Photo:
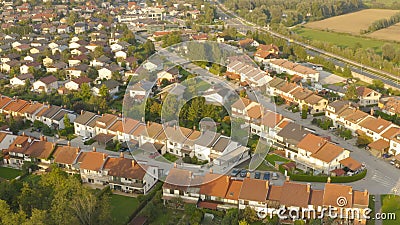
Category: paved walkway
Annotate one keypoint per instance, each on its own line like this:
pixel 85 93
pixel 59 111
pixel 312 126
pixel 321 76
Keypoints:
pixel 378 208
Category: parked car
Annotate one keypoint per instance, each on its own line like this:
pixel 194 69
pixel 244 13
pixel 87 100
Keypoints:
pixel 235 172
pixel 243 173
pixel 393 161
pixel 85 139
pixel 123 149
pixel 257 175
pixel 267 175
pixel 275 176
pixel 385 156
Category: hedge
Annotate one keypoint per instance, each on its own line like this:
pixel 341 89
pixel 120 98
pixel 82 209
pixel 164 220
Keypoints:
pixel 145 199
pixel 323 179
pixel 318 114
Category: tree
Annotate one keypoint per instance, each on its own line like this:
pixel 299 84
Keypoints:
pixel 85 93
pixel 304 112
pixel 249 215
pixel 98 51
pixel 347 71
pixel 351 93
pixel 103 92
pixel 363 140
pixel 243 222
pixel 388 51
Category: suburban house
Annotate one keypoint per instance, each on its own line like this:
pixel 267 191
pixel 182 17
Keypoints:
pixel 111 85
pixel 84 124
pixel 249 73
pixel 65 157
pixel 128 176
pixel 45 84
pixel 285 66
pixel 20 80
pixel 367 96
pixel 90 166
pixel 390 105
pixel 317 154
pixel 75 84
pixel 265 53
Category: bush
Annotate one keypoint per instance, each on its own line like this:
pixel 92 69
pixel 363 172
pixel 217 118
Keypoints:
pixel 89 142
pixel 319 114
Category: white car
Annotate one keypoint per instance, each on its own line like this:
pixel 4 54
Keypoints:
pixel 85 139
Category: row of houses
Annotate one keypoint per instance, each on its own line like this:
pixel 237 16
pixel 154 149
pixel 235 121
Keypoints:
pixel 247 73
pixel 309 151
pixel 285 66
pixel 217 191
pixel 151 136
pixel 98 168
pixel 384 134
pixel 51 115
pixel 293 93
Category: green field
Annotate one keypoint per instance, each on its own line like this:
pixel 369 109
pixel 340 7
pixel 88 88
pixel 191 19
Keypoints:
pixel 122 208
pixel 9 173
pixel 341 40
pixel 391 204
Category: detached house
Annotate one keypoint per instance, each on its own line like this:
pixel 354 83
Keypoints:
pixel 20 80
pixel 128 176
pixel 65 157
pixel 45 84
pixel 90 166
pixel 367 96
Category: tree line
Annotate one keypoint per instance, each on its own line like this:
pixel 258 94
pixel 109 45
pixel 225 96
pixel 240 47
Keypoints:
pixel 292 12
pixel 53 198
pixel 382 23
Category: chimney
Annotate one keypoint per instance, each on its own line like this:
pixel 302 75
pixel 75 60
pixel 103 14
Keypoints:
pixel 81 112
pixel 94 149
pixel 227 179
pixel 104 156
pixel 77 150
pixel 301 85
pixel 308 187
pixel 148 123
pixel 194 127
pixel 41 138
pixel 365 192
pixel 174 127
pixel 351 190
pixel 211 170
pixel 23 133
pixel 372 111
pixel 328 180
pixel 68 143
pixel 287 178
pixel 133 163
pixel 142 119
pixel 121 155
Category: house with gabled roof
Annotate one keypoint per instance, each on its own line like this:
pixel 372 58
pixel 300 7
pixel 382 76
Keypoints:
pixel 90 166
pixel 84 124
pixel 21 80
pixel 39 152
pixel 65 157
pixel 128 176
pixel 45 84
pixel 104 123
pixel 367 96
pixel 16 151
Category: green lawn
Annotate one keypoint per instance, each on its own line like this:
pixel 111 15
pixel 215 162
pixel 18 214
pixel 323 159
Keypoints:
pixel 122 208
pixel 391 204
pixel 9 173
pixel 170 157
pixel 168 216
pixel 272 158
pixel 342 40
